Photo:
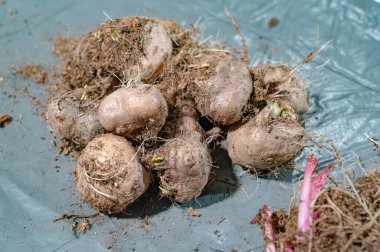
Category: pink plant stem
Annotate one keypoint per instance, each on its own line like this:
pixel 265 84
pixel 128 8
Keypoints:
pixel 316 215
pixel 318 181
pixel 288 246
pixel 305 201
pixel 255 219
pixel 268 230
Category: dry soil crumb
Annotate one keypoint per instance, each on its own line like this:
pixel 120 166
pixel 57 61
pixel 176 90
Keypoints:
pixel 36 102
pixel 34 71
pixel 193 212
pixel 84 226
pixel 272 22
pixel 63 46
pixel 4 120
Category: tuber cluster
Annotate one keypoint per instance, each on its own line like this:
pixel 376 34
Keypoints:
pixel 132 97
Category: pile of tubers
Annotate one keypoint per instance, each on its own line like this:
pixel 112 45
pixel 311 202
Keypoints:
pixel 135 92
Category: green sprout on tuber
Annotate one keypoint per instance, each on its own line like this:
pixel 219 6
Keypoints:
pixel 166 192
pixel 280 110
pixel 165 189
pixel 157 159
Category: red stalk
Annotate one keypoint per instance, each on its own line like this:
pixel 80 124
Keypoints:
pixel 310 189
pixel 305 201
pixel 319 180
pixel 268 230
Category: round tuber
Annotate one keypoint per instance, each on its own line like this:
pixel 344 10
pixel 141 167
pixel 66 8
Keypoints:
pixel 137 113
pixel 70 120
pixel 183 163
pixel 109 174
pixel 267 140
pixel 223 95
pixel 278 82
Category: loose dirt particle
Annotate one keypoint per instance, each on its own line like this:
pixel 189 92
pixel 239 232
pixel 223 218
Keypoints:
pixel 193 212
pixel 272 22
pixel 75 216
pixel 63 47
pixel 36 102
pixel 4 120
pixel 34 71
pixel 84 226
pixel 53 142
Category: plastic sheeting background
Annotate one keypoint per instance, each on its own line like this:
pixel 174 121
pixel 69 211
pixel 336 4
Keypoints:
pixel 35 189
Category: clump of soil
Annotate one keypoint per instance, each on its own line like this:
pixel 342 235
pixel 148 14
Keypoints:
pixel 63 47
pixel 344 220
pixel 34 71
pixel 113 51
pixel 193 212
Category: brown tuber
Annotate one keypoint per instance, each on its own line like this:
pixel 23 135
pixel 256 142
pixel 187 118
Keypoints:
pixel 157 49
pixel 137 113
pixel 223 96
pixel 70 119
pixel 267 140
pixel 278 82
pixel 109 174
pixel 183 163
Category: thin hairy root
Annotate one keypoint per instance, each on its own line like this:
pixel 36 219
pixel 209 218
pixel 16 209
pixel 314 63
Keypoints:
pixel 361 230
pixel 372 140
pixel 335 153
pixel 244 53
pixel 75 216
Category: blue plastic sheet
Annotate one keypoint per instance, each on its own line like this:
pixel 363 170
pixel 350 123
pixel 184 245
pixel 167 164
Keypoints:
pixel 35 188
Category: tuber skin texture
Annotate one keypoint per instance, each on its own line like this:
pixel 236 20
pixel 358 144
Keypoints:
pixel 277 81
pixel 188 127
pixel 67 120
pixel 157 49
pixel 265 141
pixel 116 173
pixel 296 94
pixel 137 113
pixel 183 163
pixel 186 169
pixel 223 96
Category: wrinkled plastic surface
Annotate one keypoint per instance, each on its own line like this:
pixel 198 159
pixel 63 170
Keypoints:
pixel 35 189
